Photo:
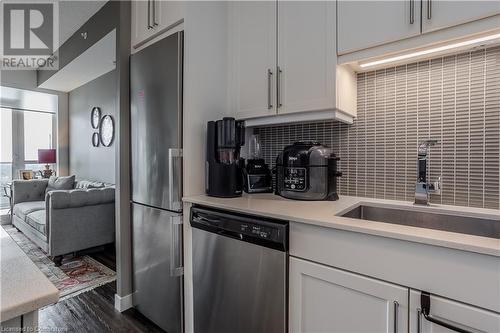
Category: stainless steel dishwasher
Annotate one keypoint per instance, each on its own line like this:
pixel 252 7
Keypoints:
pixel 240 272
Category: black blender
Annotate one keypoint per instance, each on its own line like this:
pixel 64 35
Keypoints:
pixel 257 176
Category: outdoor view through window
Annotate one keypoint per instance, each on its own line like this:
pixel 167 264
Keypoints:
pixel 27 123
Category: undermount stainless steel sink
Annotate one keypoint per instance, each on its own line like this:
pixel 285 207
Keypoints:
pixel 477 226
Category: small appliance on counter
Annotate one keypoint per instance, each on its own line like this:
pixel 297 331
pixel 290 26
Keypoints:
pixel 307 171
pixel 224 167
pixel 257 176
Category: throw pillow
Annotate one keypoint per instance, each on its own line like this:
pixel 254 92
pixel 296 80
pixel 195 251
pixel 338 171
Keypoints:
pixel 60 183
pixel 85 184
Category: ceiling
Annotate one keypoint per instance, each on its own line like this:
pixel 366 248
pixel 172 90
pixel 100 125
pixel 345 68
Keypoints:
pixel 73 14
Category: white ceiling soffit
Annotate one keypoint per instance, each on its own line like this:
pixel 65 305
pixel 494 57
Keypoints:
pixel 97 60
pixel 73 14
pixel 27 100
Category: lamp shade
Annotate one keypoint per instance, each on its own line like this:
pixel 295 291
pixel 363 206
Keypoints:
pixel 46 156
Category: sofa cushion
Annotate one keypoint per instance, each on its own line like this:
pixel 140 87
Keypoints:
pixel 84 184
pixel 24 208
pixel 37 220
pixel 81 197
pixel 28 190
pixel 61 183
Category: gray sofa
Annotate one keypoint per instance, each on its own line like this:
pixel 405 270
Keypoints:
pixel 64 221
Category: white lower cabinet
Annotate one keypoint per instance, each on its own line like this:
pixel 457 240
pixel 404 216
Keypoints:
pixel 456 314
pixel 324 299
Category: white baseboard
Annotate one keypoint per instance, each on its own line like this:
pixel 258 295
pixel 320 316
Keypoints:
pixel 123 303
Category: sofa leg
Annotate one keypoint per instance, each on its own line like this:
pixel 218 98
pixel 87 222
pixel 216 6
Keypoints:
pixel 57 260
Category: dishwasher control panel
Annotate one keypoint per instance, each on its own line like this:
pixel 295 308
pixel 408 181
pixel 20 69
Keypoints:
pixel 259 231
pixel 243 227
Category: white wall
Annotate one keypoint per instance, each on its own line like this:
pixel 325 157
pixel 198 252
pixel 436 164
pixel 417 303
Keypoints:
pixel 205 98
pixel 205 84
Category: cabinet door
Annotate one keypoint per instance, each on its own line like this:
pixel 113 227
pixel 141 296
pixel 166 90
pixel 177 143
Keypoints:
pixel 252 31
pixel 142 27
pixel 325 299
pixel 169 13
pixel 363 24
pixel 458 314
pixel 306 56
pixel 439 14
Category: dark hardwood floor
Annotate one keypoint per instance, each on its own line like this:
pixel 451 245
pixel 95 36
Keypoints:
pixel 94 311
pixel 106 256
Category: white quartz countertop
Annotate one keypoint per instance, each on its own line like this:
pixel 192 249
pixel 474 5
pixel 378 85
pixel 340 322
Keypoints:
pixel 325 214
pixel 23 286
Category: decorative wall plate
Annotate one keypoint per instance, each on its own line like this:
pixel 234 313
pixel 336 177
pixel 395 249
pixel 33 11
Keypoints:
pixel 95 139
pixel 95 117
pixel 107 130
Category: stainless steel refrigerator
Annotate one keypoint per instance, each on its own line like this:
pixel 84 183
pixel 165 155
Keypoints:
pixel 156 156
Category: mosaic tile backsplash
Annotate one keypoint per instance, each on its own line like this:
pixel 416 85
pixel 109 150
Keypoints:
pixel 454 99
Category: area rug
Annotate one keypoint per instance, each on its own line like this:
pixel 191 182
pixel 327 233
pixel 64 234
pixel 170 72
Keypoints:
pixel 76 274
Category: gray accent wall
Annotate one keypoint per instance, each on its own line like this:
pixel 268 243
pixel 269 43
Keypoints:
pixel 454 99
pixel 85 160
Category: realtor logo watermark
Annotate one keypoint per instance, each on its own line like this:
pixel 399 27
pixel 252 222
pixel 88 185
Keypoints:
pixel 30 34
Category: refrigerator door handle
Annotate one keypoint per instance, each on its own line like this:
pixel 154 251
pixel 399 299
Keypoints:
pixel 176 247
pixel 175 179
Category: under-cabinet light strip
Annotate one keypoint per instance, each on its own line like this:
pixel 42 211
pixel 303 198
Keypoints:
pixel 430 51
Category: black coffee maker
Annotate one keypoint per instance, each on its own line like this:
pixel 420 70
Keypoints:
pixel 224 167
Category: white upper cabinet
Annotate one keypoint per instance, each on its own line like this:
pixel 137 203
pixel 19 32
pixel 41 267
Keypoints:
pixel 283 61
pixel 252 36
pixel 306 56
pixel 439 14
pixel 363 24
pixel 170 13
pixel 142 25
pixel 325 299
pixel 453 313
pixel 151 18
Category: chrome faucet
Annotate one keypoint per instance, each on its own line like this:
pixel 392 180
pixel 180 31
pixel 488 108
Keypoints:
pixel 422 188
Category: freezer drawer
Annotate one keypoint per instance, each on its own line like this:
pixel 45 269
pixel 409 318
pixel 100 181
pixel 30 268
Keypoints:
pixel 157 266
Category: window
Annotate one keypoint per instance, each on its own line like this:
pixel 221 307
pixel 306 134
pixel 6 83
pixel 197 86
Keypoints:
pixel 37 133
pixel 5 153
pixel 26 124
pixel 6 135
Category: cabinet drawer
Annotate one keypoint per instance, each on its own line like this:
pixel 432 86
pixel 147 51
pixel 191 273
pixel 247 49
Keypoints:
pixel 465 276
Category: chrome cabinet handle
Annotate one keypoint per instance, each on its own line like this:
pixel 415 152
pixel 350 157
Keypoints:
pixel 419 320
pixel 176 246
pixel 412 11
pixel 429 9
pixel 154 14
pixel 174 180
pixel 279 86
pixel 425 304
pixel 269 89
pixel 396 309
pixel 149 15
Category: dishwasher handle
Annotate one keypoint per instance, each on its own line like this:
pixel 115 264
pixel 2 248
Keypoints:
pixel 205 219
pixel 261 231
